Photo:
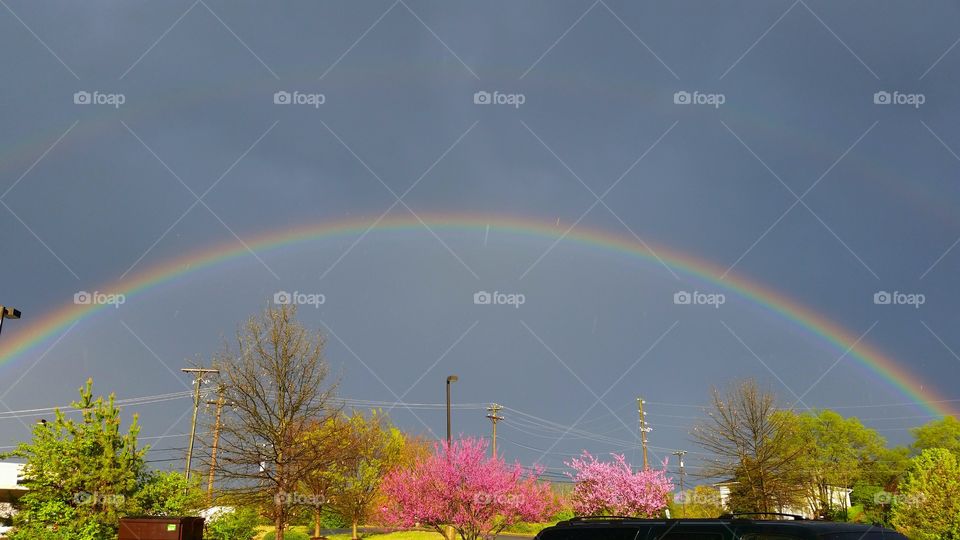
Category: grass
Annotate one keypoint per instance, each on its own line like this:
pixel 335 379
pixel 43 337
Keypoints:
pixel 398 535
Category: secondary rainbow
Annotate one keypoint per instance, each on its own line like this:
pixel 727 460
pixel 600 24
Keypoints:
pixel 51 325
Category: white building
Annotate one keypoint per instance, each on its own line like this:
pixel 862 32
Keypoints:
pixel 839 498
pixel 10 491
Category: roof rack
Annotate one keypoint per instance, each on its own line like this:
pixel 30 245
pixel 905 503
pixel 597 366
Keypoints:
pixel 736 515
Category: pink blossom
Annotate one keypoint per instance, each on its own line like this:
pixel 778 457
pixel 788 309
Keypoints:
pixel 462 487
pixel 612 488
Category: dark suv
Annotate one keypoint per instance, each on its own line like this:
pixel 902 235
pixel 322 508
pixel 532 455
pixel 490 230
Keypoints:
pixel 726 527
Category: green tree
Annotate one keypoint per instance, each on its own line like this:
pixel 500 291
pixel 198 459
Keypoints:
pixel 81 474
pixel 169 494
pixel 330 448
pixel 942 433
pixel 836 453
pixel 702 501
pixel 378 447
pixel 928 504
pixel 238 524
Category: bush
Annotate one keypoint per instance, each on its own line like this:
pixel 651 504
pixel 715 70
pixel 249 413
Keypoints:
pixel 288 534
pixel 241 524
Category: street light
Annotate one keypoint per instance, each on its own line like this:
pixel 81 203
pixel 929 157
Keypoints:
pixel 450 379
pixel 8 313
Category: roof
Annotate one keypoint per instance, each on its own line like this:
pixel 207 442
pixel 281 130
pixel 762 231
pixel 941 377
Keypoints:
pixel 803 524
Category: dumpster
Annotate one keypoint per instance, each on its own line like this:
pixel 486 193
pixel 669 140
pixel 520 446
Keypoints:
pixel 161 528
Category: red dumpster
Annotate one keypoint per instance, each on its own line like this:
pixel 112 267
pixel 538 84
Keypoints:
pixel 161 528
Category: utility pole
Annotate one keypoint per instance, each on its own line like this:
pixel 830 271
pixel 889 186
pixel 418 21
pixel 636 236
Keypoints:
pixel 450 379
pixel 643 431
pixel 198 374
pixel 683 499
pixel 493 409
pixel 216 440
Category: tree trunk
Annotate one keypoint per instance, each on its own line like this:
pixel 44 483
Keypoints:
pixel 354 530
pixel 316 522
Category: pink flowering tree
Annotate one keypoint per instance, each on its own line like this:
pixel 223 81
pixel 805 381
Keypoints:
pixel 461 487
pixel 612 488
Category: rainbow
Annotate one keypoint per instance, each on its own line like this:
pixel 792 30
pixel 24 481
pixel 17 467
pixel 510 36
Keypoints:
pixel 886 368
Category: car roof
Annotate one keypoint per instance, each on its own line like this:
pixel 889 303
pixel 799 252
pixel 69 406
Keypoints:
pixel 783 524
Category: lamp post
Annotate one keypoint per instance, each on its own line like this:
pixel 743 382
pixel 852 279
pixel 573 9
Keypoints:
pixel 450 379
pixel 8 313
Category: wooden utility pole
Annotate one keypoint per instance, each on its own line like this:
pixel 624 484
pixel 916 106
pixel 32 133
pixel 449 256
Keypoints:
pixel 216 440
pixel 683 500
pixel 643 432
pixel 493 409
pixel 198 376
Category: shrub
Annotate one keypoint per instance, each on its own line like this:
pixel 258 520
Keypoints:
pixel 288 534
pixel 241 524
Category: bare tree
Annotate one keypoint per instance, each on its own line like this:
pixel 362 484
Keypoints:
pixel 276 382
pixel 747 443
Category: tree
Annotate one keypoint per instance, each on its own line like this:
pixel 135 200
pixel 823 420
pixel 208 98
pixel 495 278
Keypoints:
pixel 942 433
pixel 928 504
pixel 834 453
pixel 700 502
pixel 81 474
pixel 458 485
pixel 332 448
pixel 275 381
pixel 377 447
pixel 751 445
pixel 169 494
pixel 237 524
pixel 612 488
